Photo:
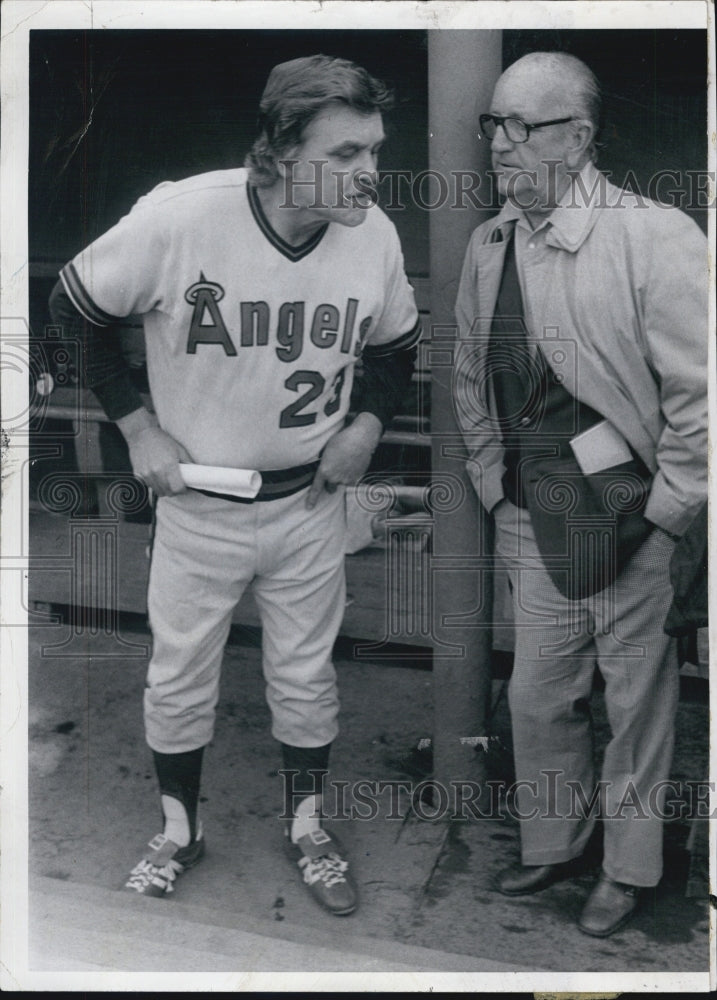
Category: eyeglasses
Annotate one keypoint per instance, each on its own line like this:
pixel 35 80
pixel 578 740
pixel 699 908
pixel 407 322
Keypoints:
pixel 515 128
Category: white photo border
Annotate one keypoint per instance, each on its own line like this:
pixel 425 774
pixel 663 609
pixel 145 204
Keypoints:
pixel 19 17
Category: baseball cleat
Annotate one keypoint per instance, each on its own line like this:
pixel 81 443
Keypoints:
pixel 154 875
pixel 324 871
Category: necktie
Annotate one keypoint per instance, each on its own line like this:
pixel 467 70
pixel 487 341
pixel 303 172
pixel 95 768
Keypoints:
pixel 517 376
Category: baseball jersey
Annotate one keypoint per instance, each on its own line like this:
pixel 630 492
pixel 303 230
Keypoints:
pixel 251 342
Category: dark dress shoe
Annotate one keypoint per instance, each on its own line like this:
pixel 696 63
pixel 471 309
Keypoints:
pixel 609 907
pixel 524 880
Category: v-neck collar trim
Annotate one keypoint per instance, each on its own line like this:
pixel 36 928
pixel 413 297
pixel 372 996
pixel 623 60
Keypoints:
pixel 293 253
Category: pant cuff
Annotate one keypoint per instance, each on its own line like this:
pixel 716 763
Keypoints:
pixel 639 879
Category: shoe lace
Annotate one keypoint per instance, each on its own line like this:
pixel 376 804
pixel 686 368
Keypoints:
pixel 145 873
pixel 328 868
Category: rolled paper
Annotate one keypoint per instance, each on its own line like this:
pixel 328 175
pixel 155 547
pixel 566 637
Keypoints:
pixel 236 482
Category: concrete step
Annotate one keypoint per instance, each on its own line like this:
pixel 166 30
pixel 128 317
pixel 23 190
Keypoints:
pixel 85 928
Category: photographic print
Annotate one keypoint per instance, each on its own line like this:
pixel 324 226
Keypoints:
pixel 357 368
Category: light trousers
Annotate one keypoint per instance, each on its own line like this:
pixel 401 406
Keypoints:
pixel 206 552
pixel 558 643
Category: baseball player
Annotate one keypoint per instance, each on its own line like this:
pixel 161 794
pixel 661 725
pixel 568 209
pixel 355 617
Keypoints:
pixel 260 288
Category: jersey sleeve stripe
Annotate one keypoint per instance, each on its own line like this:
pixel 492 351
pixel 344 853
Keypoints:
pixel 401 343
pixel 81 299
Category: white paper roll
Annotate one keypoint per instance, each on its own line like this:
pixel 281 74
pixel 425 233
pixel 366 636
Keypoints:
pixel 236 482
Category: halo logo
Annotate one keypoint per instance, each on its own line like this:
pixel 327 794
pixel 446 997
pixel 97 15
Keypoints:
pixel 207 325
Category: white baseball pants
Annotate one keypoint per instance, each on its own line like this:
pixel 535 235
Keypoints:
pixel 206 552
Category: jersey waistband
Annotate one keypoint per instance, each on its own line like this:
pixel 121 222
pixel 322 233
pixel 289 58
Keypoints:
pixel 275 484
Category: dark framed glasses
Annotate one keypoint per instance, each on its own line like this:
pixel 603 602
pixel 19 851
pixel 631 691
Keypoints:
pixel 515 128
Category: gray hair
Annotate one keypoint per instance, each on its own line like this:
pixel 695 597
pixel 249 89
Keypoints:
pixel 583 95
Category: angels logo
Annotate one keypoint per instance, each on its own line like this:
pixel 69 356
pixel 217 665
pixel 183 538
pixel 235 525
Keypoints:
pixel 326 327
pixel 207 325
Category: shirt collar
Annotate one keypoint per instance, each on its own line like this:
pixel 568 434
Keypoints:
pixel 572 219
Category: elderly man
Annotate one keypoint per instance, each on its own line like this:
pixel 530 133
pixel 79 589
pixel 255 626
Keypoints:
pixel 582 394
pixel 260 289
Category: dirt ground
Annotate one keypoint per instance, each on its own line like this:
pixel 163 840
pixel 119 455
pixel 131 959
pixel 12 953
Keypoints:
pixel 93 805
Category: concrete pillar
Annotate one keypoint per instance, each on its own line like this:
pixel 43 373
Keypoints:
pixel 462 69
